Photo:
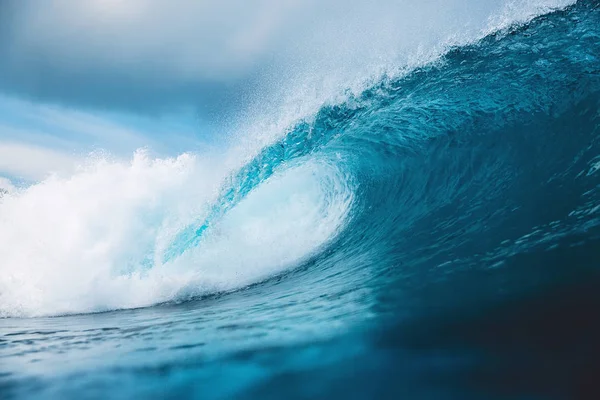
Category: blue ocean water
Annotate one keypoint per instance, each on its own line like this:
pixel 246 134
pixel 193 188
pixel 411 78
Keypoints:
pixel 465 201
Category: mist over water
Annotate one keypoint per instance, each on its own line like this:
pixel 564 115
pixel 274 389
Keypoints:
pixel 407 196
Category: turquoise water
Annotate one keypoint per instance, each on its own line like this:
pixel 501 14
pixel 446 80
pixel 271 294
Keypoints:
pixel 455 255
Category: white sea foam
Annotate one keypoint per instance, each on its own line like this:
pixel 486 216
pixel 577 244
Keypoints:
pixel 93 241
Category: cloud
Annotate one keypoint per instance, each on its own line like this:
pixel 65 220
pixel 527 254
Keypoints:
pixel 38 139
pixel 189 40
pixel 33 163
pixel 66 129
pixel 137 53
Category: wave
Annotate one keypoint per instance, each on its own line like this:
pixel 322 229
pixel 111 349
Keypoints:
pixel 458 164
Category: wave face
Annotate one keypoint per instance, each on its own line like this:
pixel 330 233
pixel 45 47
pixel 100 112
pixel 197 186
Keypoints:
pixel 465 183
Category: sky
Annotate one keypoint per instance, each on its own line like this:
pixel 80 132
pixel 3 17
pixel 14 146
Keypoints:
pixel 78 77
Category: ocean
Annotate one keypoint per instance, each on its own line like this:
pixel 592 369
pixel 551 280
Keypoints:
pixel 434 236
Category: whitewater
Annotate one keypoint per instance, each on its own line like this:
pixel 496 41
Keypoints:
pixel 440 207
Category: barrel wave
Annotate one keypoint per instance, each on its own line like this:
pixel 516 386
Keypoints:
pixel 463 188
